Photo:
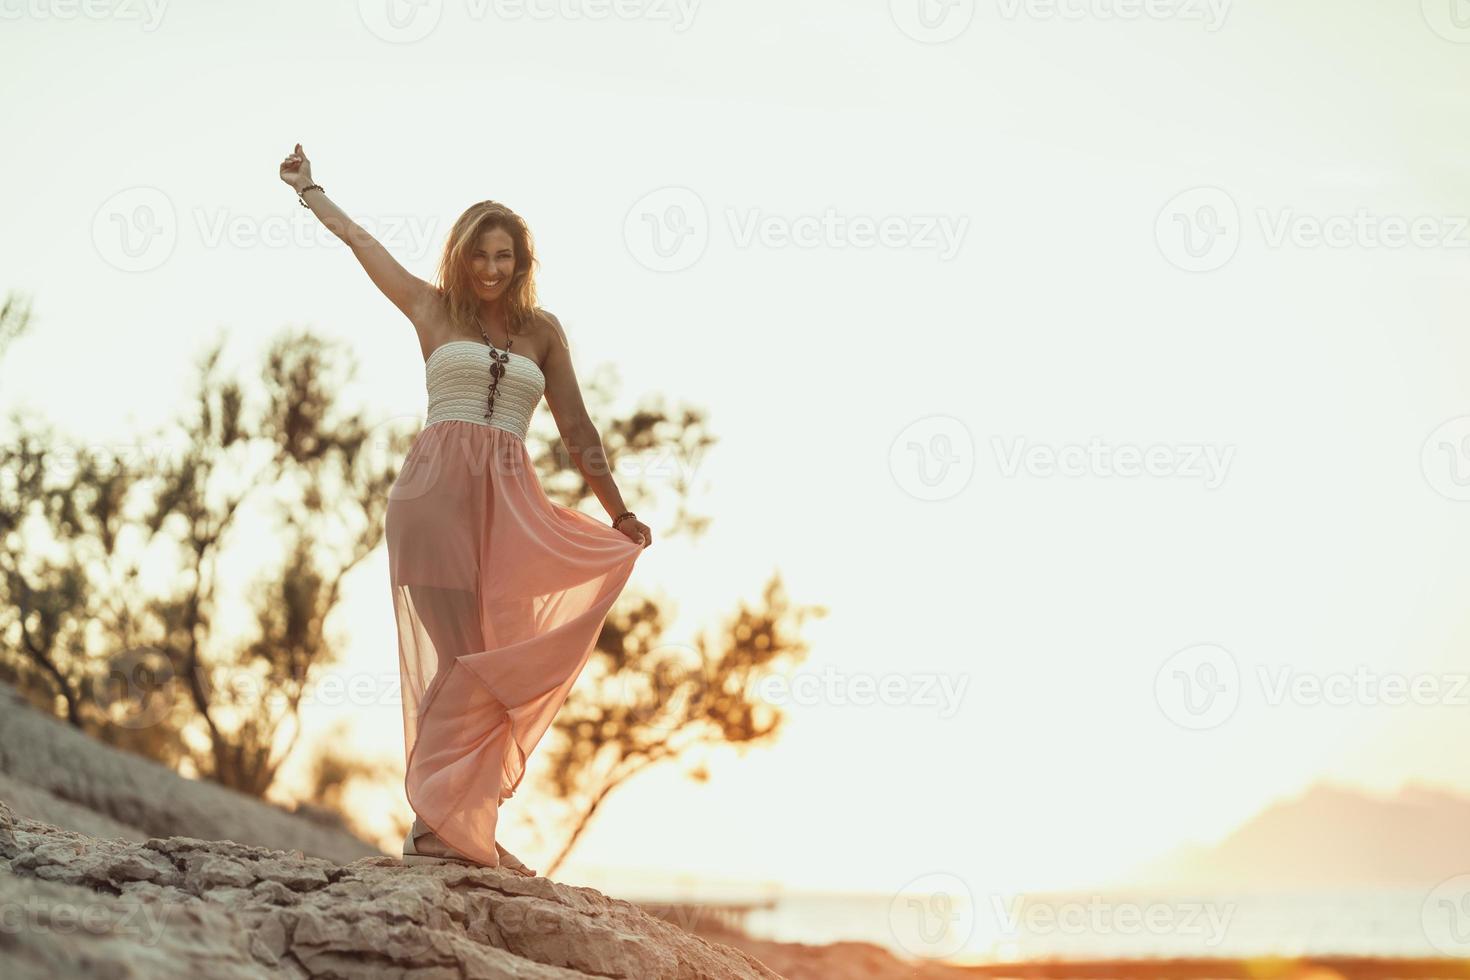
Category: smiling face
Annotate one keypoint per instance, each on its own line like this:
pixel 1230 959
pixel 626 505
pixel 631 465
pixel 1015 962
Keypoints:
pixel 492 263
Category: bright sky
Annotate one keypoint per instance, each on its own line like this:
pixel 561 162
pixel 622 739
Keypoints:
pixel 1047 185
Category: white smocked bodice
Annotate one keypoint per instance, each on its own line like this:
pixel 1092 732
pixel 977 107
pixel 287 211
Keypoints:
pixel 457 376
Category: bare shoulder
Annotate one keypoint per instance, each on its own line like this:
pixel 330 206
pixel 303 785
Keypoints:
pixel 561 378
pixel 563 395
pixel 552 338
pixel 551 326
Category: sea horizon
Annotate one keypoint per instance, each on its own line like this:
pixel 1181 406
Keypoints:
pixel 1101 924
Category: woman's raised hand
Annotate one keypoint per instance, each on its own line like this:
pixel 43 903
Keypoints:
pixel 296 169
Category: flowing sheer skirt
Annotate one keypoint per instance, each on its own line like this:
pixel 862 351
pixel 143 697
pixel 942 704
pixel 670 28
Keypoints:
pixel 499 595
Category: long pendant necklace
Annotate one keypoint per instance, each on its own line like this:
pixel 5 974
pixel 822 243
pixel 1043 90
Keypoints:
pixel 498 361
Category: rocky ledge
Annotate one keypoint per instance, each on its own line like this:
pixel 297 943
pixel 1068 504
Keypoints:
pixel 74 905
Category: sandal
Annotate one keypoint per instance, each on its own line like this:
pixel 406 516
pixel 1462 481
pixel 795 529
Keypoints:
pixel 411 854
pixel 508 861
pixel 511 863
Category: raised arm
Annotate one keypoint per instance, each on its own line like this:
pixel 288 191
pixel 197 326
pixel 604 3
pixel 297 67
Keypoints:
pixel 405 290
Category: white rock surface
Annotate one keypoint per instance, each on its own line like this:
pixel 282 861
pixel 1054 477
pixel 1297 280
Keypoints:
pixel 72 905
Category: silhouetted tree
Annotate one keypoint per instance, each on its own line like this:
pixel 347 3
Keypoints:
pixel 146 668
pixel 86 634
pixel 651 702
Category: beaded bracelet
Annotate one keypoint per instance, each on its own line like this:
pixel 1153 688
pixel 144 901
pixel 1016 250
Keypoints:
pixel 626 513
pixel 309 187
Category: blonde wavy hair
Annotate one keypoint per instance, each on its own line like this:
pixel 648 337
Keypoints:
pixel 457 296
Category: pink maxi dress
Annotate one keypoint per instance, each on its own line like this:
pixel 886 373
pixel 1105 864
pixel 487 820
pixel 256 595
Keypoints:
pixel 498 593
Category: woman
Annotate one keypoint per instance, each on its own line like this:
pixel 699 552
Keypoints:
pixel 498 593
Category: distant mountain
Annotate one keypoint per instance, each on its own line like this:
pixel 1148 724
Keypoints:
pixel 1330 837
